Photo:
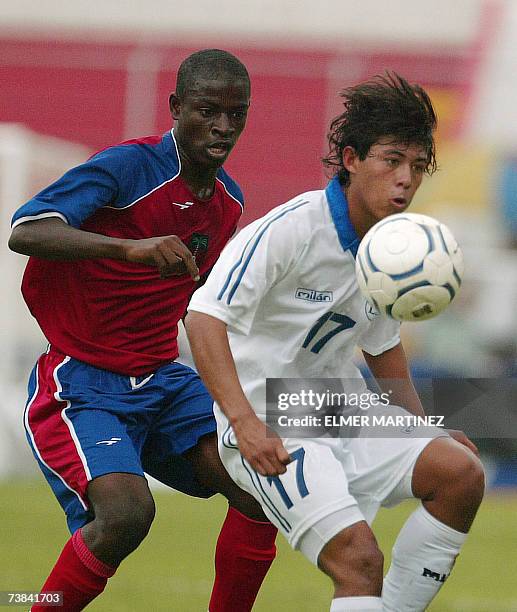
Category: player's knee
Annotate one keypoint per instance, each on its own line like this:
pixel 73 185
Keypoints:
pixel 360 574
pixel 353 561
pixel 128 523
pixel 449 471
pixel 123 508
pixel 366 563
pixel 465 479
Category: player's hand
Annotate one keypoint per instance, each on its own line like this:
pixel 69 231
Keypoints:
pixel 261 447
pixel 167 253
pixel 460 437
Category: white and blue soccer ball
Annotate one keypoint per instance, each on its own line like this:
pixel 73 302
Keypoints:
pixel 409 267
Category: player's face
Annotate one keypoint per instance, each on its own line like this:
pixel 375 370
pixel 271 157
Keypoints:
pixel 209 120
pixel 384 182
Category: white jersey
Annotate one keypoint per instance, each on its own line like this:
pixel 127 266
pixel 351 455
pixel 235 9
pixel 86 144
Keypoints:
pixel 286 288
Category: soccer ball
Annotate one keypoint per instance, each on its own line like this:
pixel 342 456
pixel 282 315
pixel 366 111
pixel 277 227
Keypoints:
pixel 409 267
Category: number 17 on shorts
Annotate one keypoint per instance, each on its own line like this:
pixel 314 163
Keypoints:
pixel 314 486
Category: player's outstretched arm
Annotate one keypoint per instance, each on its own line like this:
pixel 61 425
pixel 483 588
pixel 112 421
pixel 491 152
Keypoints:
pixel 258 444
pixel 54 239
pixel 391 371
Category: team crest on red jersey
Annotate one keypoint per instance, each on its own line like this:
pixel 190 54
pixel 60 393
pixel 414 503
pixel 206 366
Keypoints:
pixel 198 246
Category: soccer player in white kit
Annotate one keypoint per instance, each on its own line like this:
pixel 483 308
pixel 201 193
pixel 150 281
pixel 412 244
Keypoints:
pixel 283 301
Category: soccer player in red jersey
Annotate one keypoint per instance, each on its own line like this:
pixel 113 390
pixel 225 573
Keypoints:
pixel 117 246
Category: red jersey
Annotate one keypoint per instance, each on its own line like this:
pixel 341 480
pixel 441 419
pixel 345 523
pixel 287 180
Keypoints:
pixel 112 314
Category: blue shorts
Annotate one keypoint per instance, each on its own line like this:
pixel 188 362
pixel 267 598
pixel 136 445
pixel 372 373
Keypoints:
pixel 83 422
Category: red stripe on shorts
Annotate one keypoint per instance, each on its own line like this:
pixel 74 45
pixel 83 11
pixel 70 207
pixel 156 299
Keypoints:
pixel 50 433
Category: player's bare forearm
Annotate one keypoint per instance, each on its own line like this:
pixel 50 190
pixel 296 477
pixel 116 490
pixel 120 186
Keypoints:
pixel 391 371
pixel 214 360
pixel 56 240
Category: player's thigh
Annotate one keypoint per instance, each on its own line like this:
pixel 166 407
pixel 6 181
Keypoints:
pixel 314 486
pixel 73 441
pixel 88 446
pixel 177 451
pixel 211 473
pixel 186 414
pixel 382 469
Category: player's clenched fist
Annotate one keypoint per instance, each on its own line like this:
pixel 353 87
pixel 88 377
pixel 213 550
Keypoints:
pixel 261 447
pixel 167 253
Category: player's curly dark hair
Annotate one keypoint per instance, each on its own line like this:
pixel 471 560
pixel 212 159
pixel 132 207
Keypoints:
pixel 209 64
pixel 383 106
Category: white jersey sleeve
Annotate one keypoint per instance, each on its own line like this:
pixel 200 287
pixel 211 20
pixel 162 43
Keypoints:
pixel 257 258
pixel 381 335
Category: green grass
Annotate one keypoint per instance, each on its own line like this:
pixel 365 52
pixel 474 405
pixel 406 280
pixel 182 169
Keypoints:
pixel 172 569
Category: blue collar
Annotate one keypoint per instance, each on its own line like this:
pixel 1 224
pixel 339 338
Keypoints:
pixel 338 205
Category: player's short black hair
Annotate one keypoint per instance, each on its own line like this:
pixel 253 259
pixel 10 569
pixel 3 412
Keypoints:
pixel 386 105
pixel 209 64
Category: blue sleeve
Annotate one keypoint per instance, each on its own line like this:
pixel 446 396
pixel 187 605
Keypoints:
pixel 81 191
pixel 231 186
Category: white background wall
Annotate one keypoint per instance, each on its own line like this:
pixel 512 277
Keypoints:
pixel 378 21
pixel 403 23
pixel 494 117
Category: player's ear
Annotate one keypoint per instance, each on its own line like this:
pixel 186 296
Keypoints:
pixel 350 159
pixel 174 105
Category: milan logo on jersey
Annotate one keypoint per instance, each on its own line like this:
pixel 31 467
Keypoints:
pixel 311 295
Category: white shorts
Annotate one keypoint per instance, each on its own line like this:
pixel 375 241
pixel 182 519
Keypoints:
pixel 348 478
